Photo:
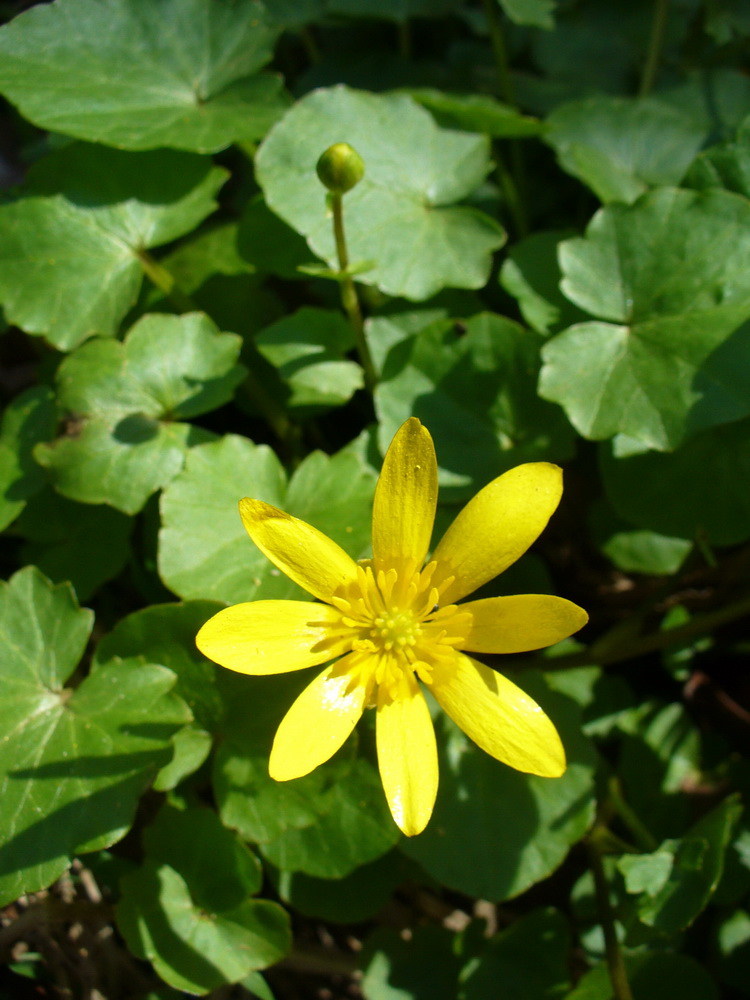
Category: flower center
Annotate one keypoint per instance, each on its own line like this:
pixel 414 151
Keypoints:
pixel 395 630
pixel 393 626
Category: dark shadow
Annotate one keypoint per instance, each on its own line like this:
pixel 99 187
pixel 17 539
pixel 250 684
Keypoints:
pixel 722 384
pixel 136 429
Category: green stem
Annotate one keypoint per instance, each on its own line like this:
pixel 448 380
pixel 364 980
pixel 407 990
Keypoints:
pixel 643 837
pixel 404 39
pixel 601 653
pixel 511 194
pixel 166 283
pixel 655 43
pixel 615 964
pixel 310 44
pixel 497 40
pixel 349 298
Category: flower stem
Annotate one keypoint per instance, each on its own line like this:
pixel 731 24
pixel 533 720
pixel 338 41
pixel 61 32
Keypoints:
pixel 605 651
pixel 349 298
pixel 615 964
pixel 497 40
pixel 655 43
pixel 166 283
pixel 643 837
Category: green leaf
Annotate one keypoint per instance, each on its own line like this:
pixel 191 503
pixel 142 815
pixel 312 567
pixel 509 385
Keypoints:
pixel 268 244
pixel 86 547
pixel 353 826
pixel 667 278
pixel 28 419
pixel 165 633
pixel 536 13
pixel 188 909
pixel 706 483
pixel 75 761
pixel 423 967
pixel 531 274
pixel 402 215
pixel 530 959
pixel 392 10
pixel 350 900
pixel 204 551
pixel 191 749
pixel 733 939
pixel 647 973
pixel 124 403
pixel 495 831
pixel 725 165
pixel 70 248
pixel 475 389
pixel 476 113
pixel 308 350
pixel 139 75
pixel 636 550
pixel 620 147
pixel 191 949
pixel 676 882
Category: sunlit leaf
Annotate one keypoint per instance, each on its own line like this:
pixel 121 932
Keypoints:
pixel 139 75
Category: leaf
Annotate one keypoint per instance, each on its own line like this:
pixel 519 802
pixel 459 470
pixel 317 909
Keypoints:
pixel 193 950
pixel 475 388
pixel 353 899
pixel 165 633
pixel 495 832
pixel 667 278
pixel 402 215
pixel 191 748
pixel 188 909
pixel 421 967
pixel 124 403
pixel 530 959
pixel 620 147
pixel 140 75
pixel 204 550
pixel 537 13
pixel 725 165
pixel 308 350
pixel 688 869
pixel 706 481
pixel 86 547
pixel 76 761
pixel 28 419
pixel 636 550
pixel 531 274
pixel 476 113
pixel 70 248
pixel 647 973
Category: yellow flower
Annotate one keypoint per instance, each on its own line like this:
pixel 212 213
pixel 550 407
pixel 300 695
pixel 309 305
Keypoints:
pixel 390 622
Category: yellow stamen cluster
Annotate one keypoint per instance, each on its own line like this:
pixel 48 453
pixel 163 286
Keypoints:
pixel 393 623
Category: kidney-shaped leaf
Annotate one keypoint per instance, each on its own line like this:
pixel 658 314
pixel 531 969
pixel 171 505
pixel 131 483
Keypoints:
pixel 71 249
pixel 204 551
pixel 124 402
pixel 668 280
pixel 402 217
pixel 74 761
pixel 139 75
pixel 495 831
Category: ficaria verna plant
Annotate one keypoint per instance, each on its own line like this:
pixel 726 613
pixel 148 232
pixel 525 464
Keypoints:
pixel 392 621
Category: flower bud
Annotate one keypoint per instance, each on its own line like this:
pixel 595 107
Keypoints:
pixel 340 168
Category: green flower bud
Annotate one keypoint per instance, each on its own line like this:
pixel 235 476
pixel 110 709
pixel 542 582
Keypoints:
pixel 340 168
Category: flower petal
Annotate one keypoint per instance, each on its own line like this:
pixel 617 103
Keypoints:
pixel 318 723
pixel 520 623
pixel 407 756
pixel 271 637
pixel 405 499
pixel 499 717
pixel 496 527
pixel 305 554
